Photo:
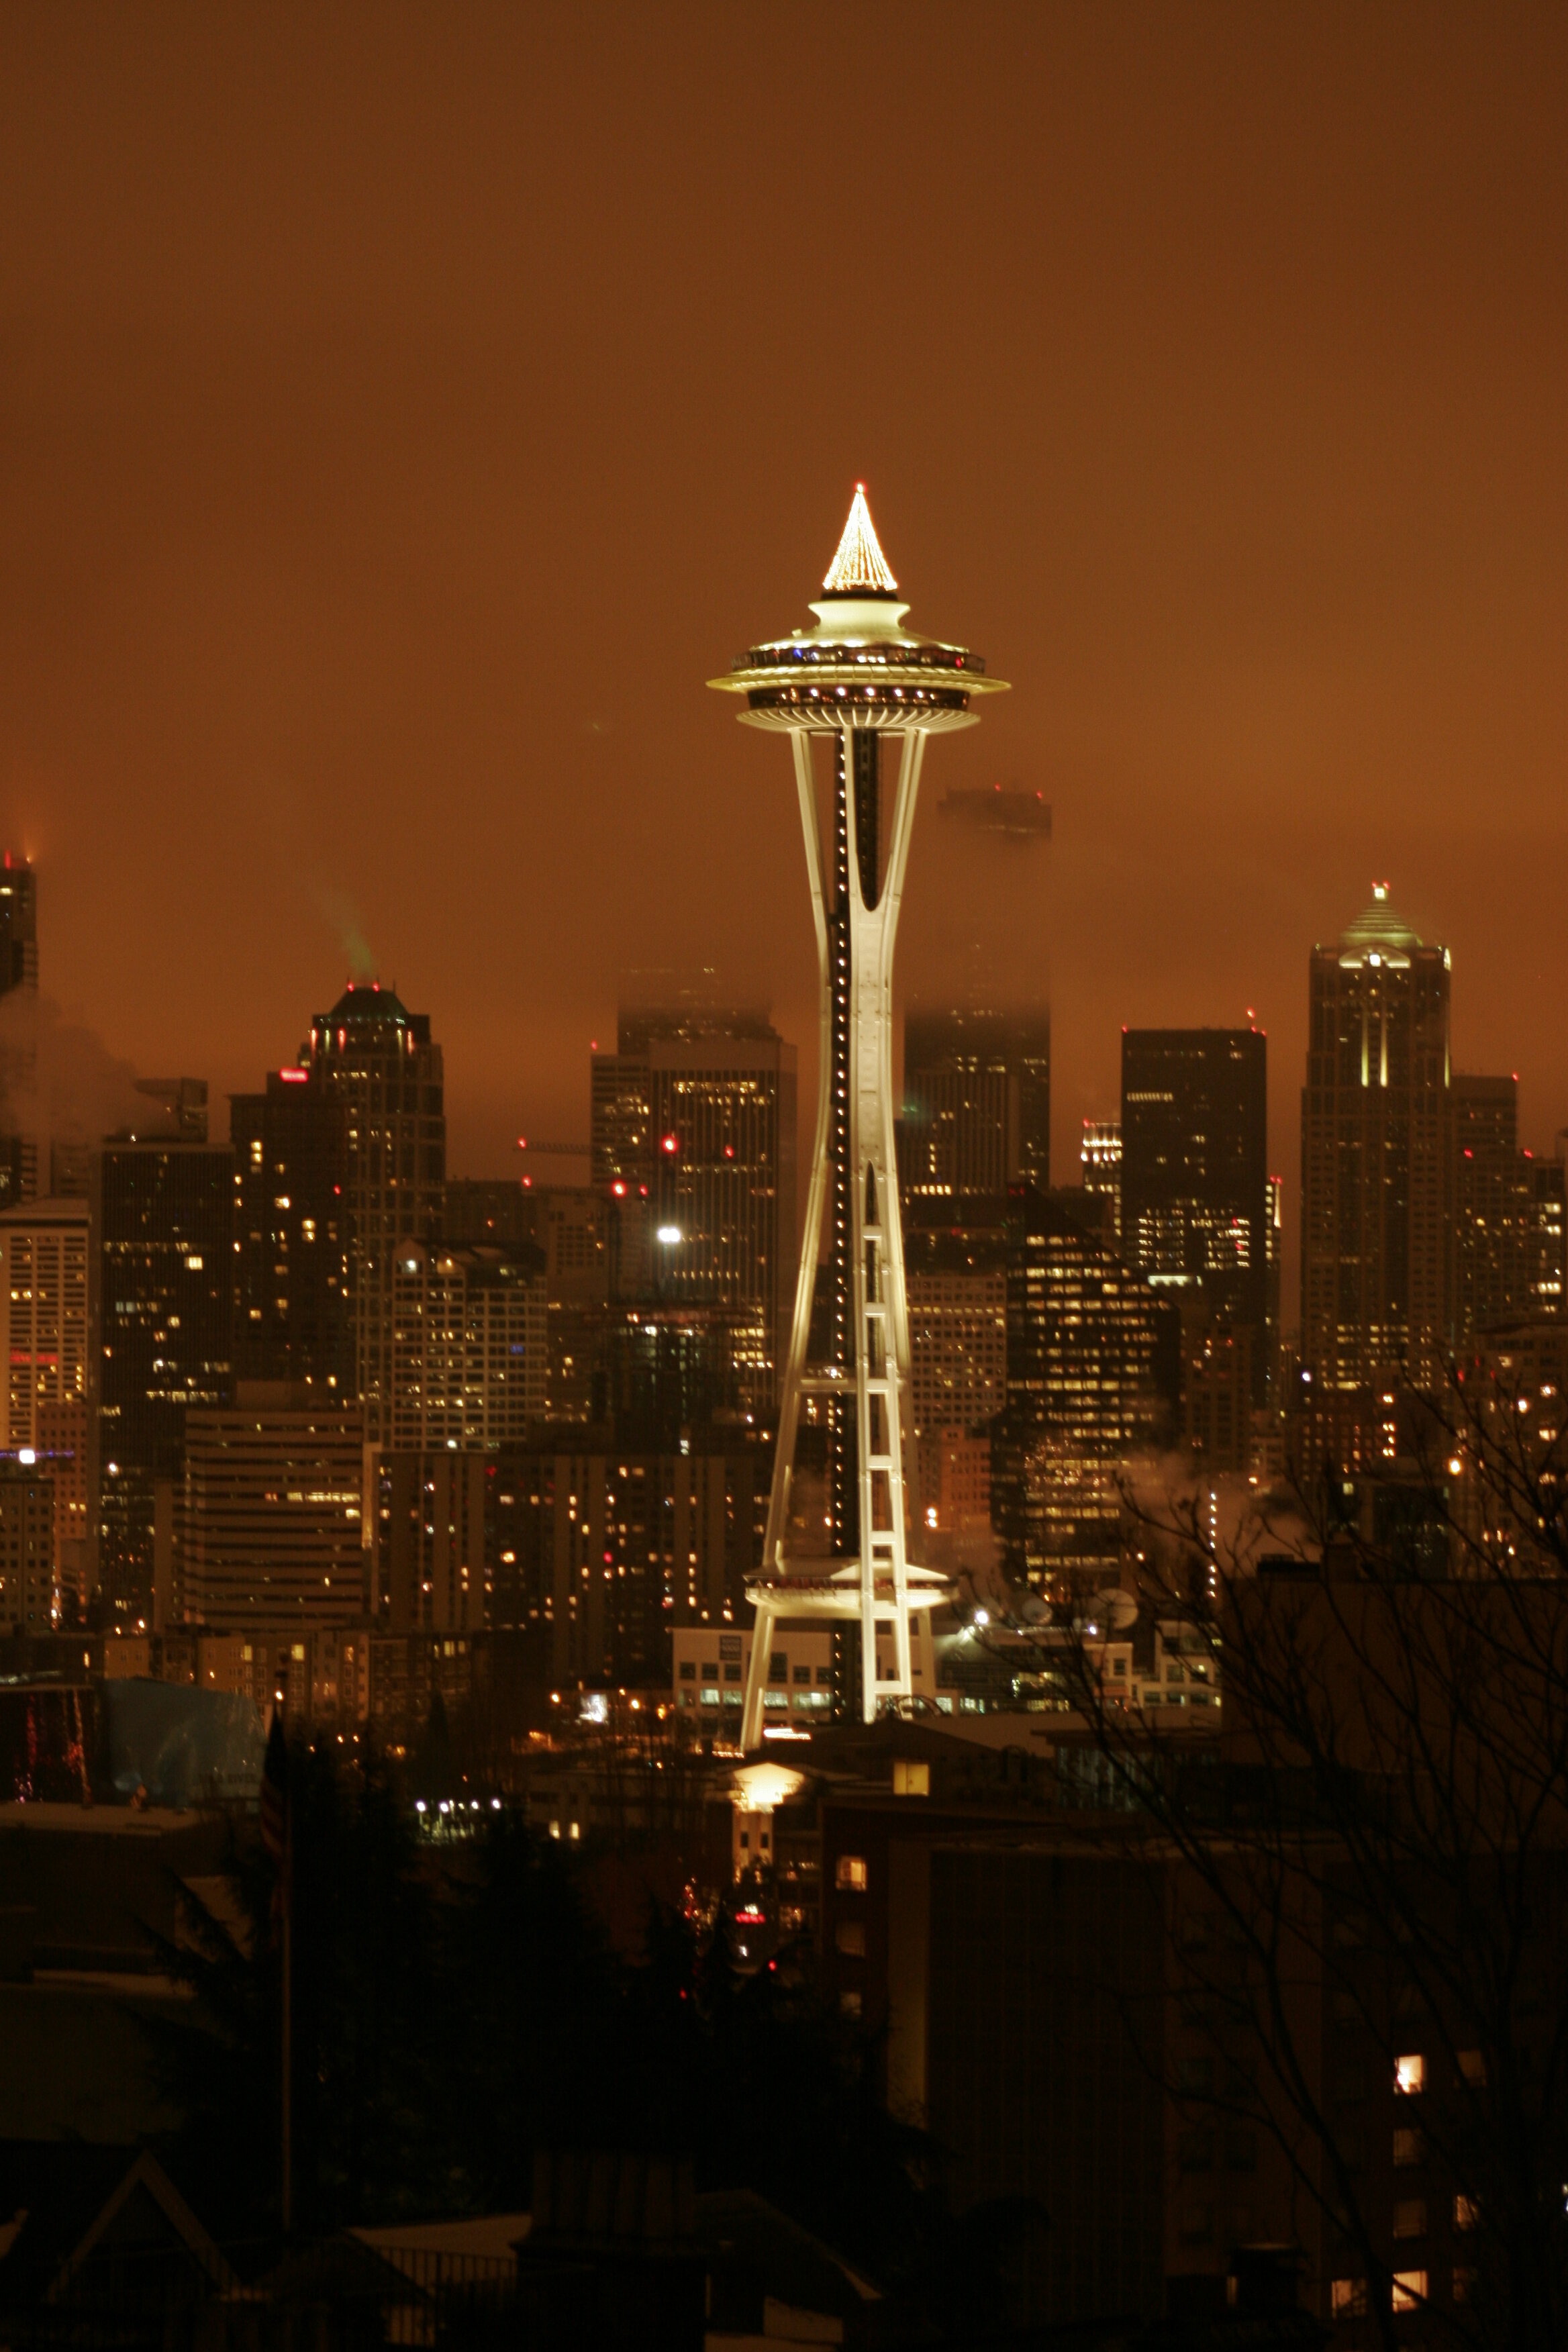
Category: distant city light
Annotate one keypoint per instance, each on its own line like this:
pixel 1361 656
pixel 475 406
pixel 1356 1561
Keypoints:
pixel 672 1143
pixel 669 1235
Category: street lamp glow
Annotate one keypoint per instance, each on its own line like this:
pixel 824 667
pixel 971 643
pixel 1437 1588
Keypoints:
pixel 669 1235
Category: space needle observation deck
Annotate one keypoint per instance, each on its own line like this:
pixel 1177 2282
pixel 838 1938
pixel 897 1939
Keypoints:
pixel 839 1524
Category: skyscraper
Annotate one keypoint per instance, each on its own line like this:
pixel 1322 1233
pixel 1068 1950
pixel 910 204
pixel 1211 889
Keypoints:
pixel 1492 1226
pixel 1099 1162
pixel 18 984
pixel 292 1317
pixel 43 1288
pixel 469 1351
pixel 1374 1154
pixel 695 1112
pixel 373 1062
pixel 977 1036
pixel 160 1342
pixel 271 1530
pixel 1084 1339
pixel 1195 1167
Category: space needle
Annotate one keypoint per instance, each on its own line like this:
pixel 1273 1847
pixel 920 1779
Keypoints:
pixel 857 677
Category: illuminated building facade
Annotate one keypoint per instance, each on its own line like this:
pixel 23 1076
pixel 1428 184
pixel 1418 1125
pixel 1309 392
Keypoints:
pixel 695 1116
pixel 375 1060
pixel 43 1283
pixel 1492 1226
pixel 160 1343
pixel 270 1526
pixel 1084 1392
pixel 958 1359
pixel 27 1549
pixel 977 1099
pixel 601 1555
pixel 1374 1155
pixel 977 1037
pixel 853 678
pixel 1549 1201
pixel 470 1346
pixel 18 971
pixel 290 1227
pixel 1195 1167
pixel 1099 1166
pixel 426 1523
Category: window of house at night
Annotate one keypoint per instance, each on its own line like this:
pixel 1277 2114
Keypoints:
pixel 849 2003
pixel 1473 2069
pixel 910 1778
pixel 778 1667
pixel 1410 2073
pixel 710 1673
pixel 688 1670
pixel 850 1939
pixel 1465 2213
pixel 1409 2148
pixel 732 1674
pixel 1409 2290
pixel 1410 2217
pixel 802 1673
pixel 1347 2298
pixel 852 1872
pixel 824 1677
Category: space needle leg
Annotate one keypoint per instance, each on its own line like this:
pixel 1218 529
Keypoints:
pixel 811 1243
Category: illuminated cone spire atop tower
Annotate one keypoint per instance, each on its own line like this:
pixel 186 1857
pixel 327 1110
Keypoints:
pixel 837 1542
pixel 860 568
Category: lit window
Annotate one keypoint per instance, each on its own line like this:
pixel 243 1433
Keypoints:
pixel 1410 2073
pixel 1409 2290
pixel 910 1779
pixel 852 1872
pixel 1465 2213
pixel 1347 2298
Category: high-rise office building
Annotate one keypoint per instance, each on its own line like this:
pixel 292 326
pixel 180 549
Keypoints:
pixel 696 1114
pixel 427 1540
pixel 1099 1165
pixel 495 1210
pixel 469 1351
pixel 1085 1342
pixel 43 1409
pixel 1492 1220
pixel 292 1168
pixel 43 1289
pixel 599 1555
pixel 270 1530
pixel 958 1350
pixel 374 1061
pixel 18 1048
pixel 27 1549
pixel 1549 1202
pixel 160 1343
pixel 1195 1167
pixel 1374 1155
pixel 977 1036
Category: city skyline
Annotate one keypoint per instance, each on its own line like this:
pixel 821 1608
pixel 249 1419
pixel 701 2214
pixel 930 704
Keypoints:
pixel 1246 465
